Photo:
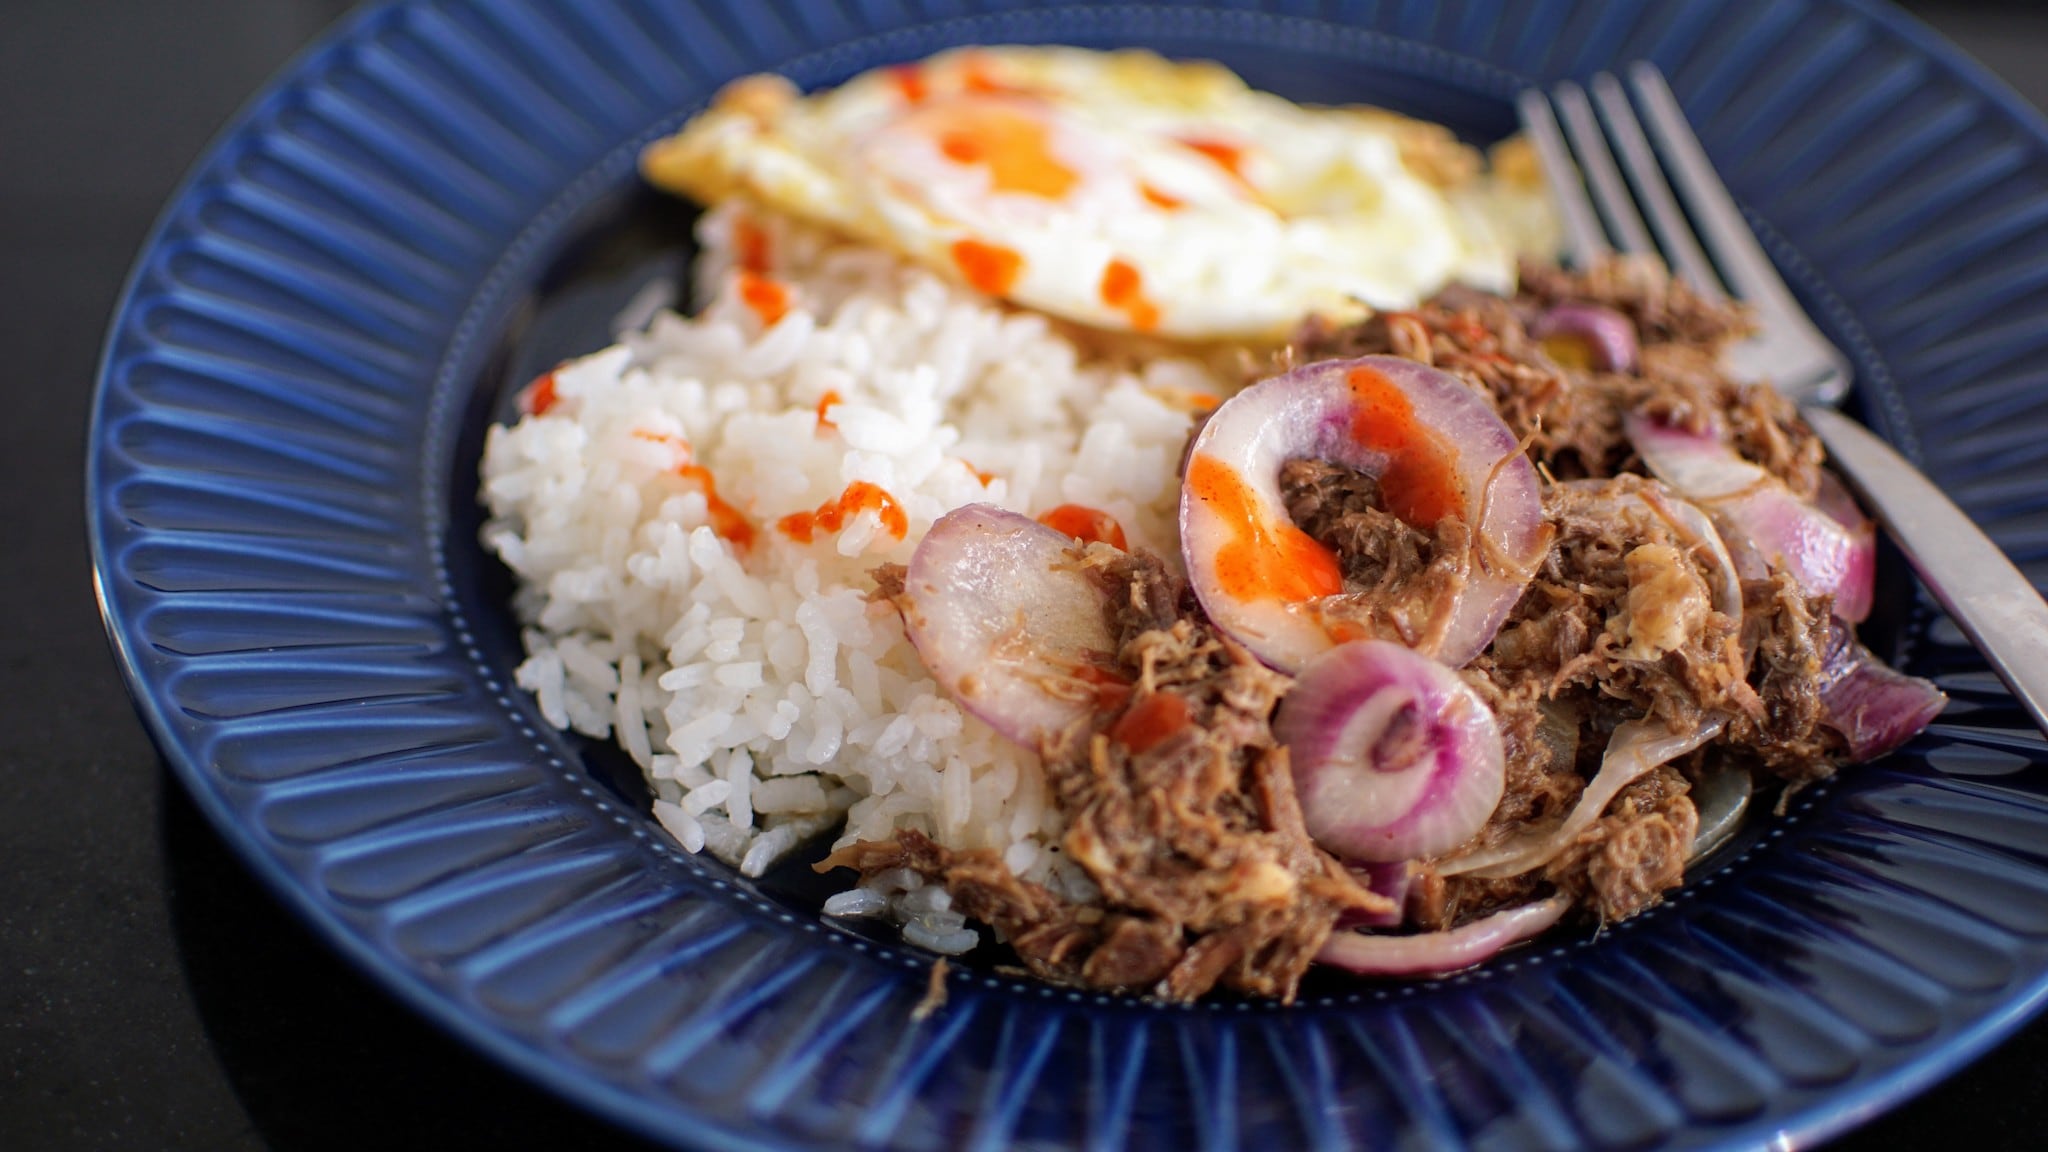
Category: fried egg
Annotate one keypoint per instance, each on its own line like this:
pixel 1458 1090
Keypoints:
pixel 1123 190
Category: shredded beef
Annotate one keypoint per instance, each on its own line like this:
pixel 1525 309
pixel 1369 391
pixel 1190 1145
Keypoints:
pixel 1572 417
pixel 1182 811
pixel 1398 579
pixel 1619 621
pixel 1635 853
pixel 1180 807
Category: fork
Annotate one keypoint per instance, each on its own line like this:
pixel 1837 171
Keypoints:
pixel 1989 599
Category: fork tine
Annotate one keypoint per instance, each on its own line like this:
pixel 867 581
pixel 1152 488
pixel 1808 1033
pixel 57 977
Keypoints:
pixel 1585 243
pixel 1734 246
pixel 1681 249
pixel 1616 206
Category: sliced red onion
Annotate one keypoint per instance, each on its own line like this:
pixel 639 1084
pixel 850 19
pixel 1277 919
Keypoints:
pixel 1608 337
pixel 1436 448
pixel 1852 599
pixel 1390 879
pixel 1008 625
pixel 1394 756
pixel 1873 705
pixel 1825 555
pixel 1439 953
pixel 1635 748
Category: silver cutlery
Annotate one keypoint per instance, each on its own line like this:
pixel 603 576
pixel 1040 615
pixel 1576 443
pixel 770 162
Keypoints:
pixel 1613 153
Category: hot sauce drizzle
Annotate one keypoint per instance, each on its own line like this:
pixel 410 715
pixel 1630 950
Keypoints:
pixel 539 395
pixel 750 242
pixel 1159 199
pixel 726 520
pixel 859 496
pixel 1262 560
pixel 1123 289
pixel 1149 722
pixel 825 404
pixel 1088 525
pixel 909 81
pixel 769 299
pixel 989 268
pixel 1420 482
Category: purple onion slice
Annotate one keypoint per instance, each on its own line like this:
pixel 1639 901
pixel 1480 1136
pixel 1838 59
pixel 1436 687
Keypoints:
pixel 1435 447
pixel 1821 551
pixel 1391 879
pixel 1874 706
pixel 1394 756
pixel 1636 747
pixel 1587 336
pixel 1852 600
pixel 1439 953
pixel 1009 624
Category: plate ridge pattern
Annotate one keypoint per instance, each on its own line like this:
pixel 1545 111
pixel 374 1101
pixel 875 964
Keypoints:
pixel 276 428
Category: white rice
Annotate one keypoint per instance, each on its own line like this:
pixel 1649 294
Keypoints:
pixel 763 695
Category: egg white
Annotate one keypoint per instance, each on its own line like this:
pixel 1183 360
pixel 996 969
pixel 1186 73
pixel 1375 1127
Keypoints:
pixel 1121 190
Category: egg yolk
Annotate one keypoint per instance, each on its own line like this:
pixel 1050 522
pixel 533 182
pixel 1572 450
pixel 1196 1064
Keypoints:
pixel 1010 143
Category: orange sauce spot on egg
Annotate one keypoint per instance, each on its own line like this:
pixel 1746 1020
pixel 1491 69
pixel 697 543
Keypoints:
pixel 1088 525
pixel 726 520
pixel 1262 559
pixel 1012 144
pixel 978 74
pixel 909 82
pixel 1123 289
pixel 750 245
pixel 1420 483
pixel 1150 722
pixel 539 395
pixel 825 404
pixel 1226 155
pixel 1159 199
pixel 859 496
pixel 988 268
pixel 769 299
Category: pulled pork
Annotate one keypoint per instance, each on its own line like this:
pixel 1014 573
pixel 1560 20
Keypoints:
pixel 1182 811
pixel 1572 418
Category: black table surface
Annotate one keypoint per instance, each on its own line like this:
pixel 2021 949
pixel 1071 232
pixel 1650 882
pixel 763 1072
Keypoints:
pixel 152 994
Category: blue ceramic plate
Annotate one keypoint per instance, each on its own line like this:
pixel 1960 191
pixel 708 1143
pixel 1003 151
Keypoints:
pixel 282 509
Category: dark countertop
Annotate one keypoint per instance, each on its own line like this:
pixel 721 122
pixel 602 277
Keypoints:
pixel 152 995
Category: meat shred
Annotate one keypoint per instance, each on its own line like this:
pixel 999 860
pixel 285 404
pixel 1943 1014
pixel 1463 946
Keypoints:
pixel 1181 809
pixel 1180 806
pixel 1573 418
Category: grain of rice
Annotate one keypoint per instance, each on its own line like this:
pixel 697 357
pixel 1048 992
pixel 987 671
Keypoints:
pixel 856 902
pixel 681 825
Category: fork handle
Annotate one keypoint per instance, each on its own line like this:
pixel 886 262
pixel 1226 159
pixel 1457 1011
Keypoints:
pixel 1990 600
